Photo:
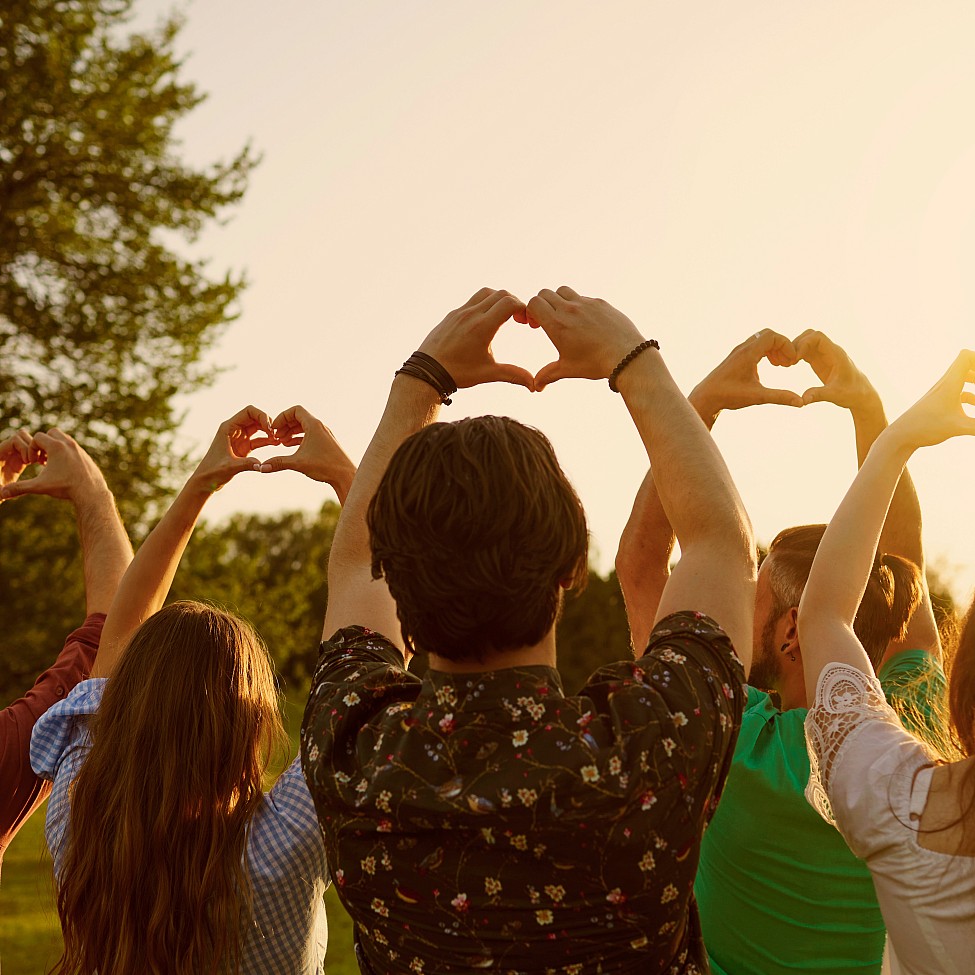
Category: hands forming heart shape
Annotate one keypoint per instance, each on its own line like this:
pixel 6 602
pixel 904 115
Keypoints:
pixel 735 384
pixel 318 456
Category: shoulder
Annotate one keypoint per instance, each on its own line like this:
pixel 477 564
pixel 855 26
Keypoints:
pixel 63 725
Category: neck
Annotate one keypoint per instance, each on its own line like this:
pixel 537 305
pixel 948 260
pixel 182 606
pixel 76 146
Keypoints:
pixel 537 654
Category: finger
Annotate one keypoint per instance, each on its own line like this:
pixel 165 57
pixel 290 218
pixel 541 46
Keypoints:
pixel 811 344
pixel 286 419
pixel 962 368
pixel 539 312
pixel 274 464
pixel 478 297
pixel 782 397
pixel 292 440
pixel 497 313
pixel 21 488
pixel 818 394
pixel 251 416
pixel 567 293
pixel 505 372
pixel 553 298
pixel 550 373
pixel 46 442
pixel 775 347
pixel 968 399
pixel 263 442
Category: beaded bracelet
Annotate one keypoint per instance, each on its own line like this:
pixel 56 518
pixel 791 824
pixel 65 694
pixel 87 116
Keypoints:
pixel 628 358
pixel 425 368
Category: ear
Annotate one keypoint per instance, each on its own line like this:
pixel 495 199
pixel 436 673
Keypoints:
pixel 791 636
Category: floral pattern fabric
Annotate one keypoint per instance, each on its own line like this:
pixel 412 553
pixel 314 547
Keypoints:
pixel 488 822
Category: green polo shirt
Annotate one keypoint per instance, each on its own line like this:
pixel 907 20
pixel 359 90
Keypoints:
pixel 778 889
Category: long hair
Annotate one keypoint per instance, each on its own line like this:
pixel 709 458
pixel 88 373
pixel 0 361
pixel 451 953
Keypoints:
pixel 153 877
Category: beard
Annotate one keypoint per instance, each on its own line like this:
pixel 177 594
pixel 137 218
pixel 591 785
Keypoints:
pixel 766 668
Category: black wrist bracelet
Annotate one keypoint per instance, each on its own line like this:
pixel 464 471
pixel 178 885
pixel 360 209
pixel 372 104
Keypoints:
pixel 628 358
pixel 427 369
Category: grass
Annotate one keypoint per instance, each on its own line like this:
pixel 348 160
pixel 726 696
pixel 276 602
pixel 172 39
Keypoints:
pixel 30 937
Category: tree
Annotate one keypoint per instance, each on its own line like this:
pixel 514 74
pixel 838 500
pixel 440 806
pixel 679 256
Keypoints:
pixel 101 322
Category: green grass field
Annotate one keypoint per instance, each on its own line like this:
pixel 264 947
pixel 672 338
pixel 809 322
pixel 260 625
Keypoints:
pixel 30 938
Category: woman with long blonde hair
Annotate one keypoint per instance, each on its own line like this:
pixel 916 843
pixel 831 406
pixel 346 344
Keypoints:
pixel 902 808
pixel 169 857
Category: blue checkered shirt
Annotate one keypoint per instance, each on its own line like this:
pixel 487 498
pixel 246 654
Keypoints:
pixel 285 853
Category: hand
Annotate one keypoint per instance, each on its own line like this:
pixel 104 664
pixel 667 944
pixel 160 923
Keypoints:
pixel 590 335
pixel 843 383
pixel 938 414
pixel 734 384
pixel 461 343
pixel 318 456
pixel 228 454
pixel 69 473
pixel 17 453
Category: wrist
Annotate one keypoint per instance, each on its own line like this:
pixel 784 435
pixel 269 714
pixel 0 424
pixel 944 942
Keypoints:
pixel 705 408
pixel 91 495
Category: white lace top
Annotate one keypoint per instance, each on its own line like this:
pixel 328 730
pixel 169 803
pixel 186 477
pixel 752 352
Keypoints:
pixel 870 778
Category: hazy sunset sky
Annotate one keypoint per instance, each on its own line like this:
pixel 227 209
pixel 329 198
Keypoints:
pixel 708 168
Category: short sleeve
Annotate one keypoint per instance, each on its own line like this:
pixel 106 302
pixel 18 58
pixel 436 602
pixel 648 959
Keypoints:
pixel 858 752
pixel 681 705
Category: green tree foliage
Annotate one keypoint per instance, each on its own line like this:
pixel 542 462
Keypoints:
pixel 101 322
pixel 270 570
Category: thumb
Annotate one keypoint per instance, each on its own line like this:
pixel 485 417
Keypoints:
pixel 33 485
pixel 505 372
pixel 816 394
pixel 273 464
pixel 548 374
pixel 783 397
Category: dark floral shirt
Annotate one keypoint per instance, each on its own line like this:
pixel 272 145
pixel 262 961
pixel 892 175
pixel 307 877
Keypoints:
pixel 488 822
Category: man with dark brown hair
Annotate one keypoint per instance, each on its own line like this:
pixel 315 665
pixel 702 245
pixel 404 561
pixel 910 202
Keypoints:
pixel 68 473
pixel 479 818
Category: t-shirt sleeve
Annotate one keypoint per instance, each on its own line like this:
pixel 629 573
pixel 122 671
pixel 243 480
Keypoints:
pixel 680 705
pixel 856 745
pixel 23 790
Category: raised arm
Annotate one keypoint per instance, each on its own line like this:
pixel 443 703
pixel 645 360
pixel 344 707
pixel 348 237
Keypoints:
pixel 842 565
pixel 716 573
pixel 846 386
pixel 70 474
pixel 144 587
pixel 642 561
pixel 461 344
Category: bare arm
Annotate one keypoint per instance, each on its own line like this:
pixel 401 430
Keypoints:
pixel 70 474
pixel 845 555
pixel 461 343
pixel 146 584
pixel 848 387
pixel 716 573
pixel 642 562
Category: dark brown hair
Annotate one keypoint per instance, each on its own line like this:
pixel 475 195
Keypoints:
pixel 476 529
pixel 153 879
pixel 892 594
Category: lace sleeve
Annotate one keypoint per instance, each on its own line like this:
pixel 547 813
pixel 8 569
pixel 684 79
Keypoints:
pixel 845 697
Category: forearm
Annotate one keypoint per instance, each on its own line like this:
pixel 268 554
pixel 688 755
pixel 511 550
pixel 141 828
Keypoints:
pixel 105 547
pixel 696 492
pixel 145 585
pixel 642 561
pixel 845 555
pixel 353 596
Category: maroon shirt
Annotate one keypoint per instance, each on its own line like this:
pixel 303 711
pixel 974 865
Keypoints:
pixel 21 791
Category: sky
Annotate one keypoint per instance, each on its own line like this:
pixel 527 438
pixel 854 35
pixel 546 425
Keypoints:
pixel 708 168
